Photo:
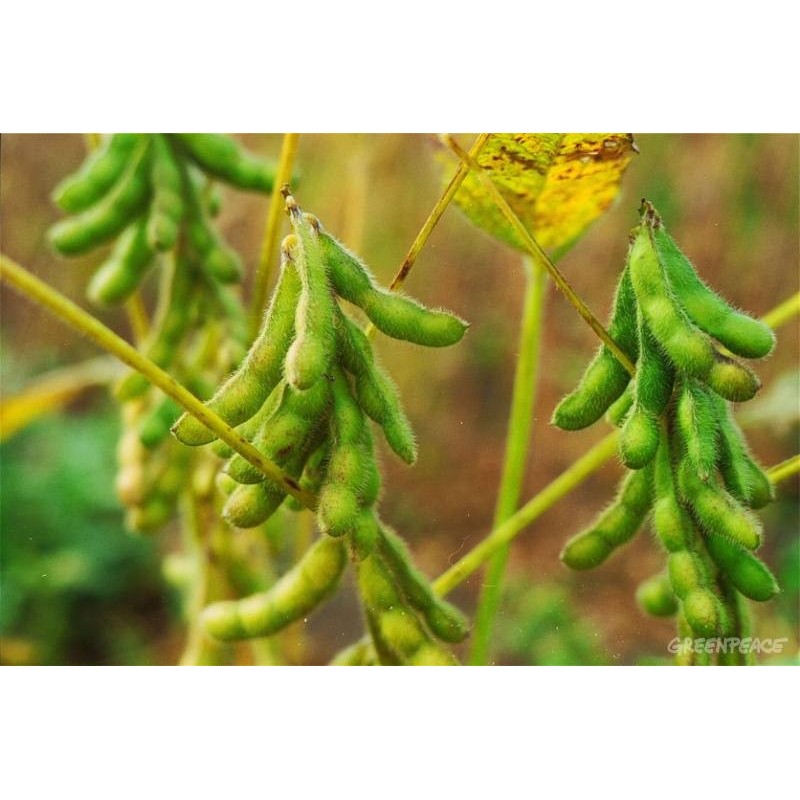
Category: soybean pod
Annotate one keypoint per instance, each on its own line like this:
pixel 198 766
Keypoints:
pixel 395 315
pixel 167 208
pixel 220 156
pixel 696 424
pixel 120 274
pixel 689 349
pixel 652 390
pixel 444 619
pixel 615 526
pixel 314 578
pixel 311 354
pixel 737 331
pixel 246 390
pixel 655 596
pixel 105 219
pixel 99 172
pixel 688 575
pixel 376 392
pixel 605 378
pixel 743 477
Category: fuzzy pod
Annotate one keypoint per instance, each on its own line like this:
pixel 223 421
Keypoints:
pixel 618 411
pixel 605 379
pixel 240 397
pixel 395 315
pixel 696 425
pixel 220 156
pixel 218 260
pixel 154 428
pixel 715 510
pixel 445 621
pixel 748 573
pixel 113 213
pixel 655 596
pixel 311 581
pixel 120 274
pixel 311 354
pixel 689 349
pixel 743 477
pixel 365 534
pixel 285 431
pixel 732 380
pixel 615 526
pixel 98 173
pixel 167 207
pixel 737 331
pixel 690 582
pixel 639 437
pixel 376 392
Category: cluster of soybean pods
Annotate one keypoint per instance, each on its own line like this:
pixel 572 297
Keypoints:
pixel 689 463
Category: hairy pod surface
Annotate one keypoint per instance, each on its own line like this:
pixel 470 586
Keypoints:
pixel 313 579
pixel 745 571
pixel 615 526
pixel 605 378
pixel 655 596
pixel 696 426
pixel 737 331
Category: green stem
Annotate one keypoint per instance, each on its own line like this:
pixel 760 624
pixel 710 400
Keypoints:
pixel 274 217
pixel 516 454
pixel 539 256
pixel 505 533
pixel 785 469
pixel 55 302
pixel 782 313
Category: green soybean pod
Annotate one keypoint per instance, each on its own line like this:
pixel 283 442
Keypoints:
pixel 745 571
pixel 691 584
pixel 365 534
pixel 605 378
pixel 312 352
pixel 737 331
pixel 286 431
pixel 376 392
pixel 154 428
pixel 120 274
pixel 111 215
pixel 671 522
pixel 696 424
pixel 246 390
pixel 715 510
pixel 656 597
pixel 395 315
pixel 311 581
pixel 98 173
pixel 618 411
pixel 250 427
pixel 217 259
pixel 732 380
pixel 167 207
pixel 444 619
pixel 689 349
pixel 615 526
pixel 743 477
pixel 220 156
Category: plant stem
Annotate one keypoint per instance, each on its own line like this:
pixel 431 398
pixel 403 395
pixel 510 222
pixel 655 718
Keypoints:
pixel 34 289
pixel 274 217
pixel 516 454
pixel 782 313
pixel 539 255
pixel 430 223
pixel 784 470
pixel 503 534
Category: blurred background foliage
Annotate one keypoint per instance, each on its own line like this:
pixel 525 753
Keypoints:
pixel 76 588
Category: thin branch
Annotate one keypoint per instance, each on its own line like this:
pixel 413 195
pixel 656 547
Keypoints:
pixel 782 313
pixel 274 219
pixel 38 291
pixel 780 472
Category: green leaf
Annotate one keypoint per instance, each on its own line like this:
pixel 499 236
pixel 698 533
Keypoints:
pixel 556 183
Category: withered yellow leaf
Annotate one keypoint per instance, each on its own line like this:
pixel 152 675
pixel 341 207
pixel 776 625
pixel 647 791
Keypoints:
pixel 556 183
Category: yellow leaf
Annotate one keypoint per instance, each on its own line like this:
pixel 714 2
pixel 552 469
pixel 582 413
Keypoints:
pixel 556 183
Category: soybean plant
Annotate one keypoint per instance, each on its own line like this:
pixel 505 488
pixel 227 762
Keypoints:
pixel 690 467
pixel 304 395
